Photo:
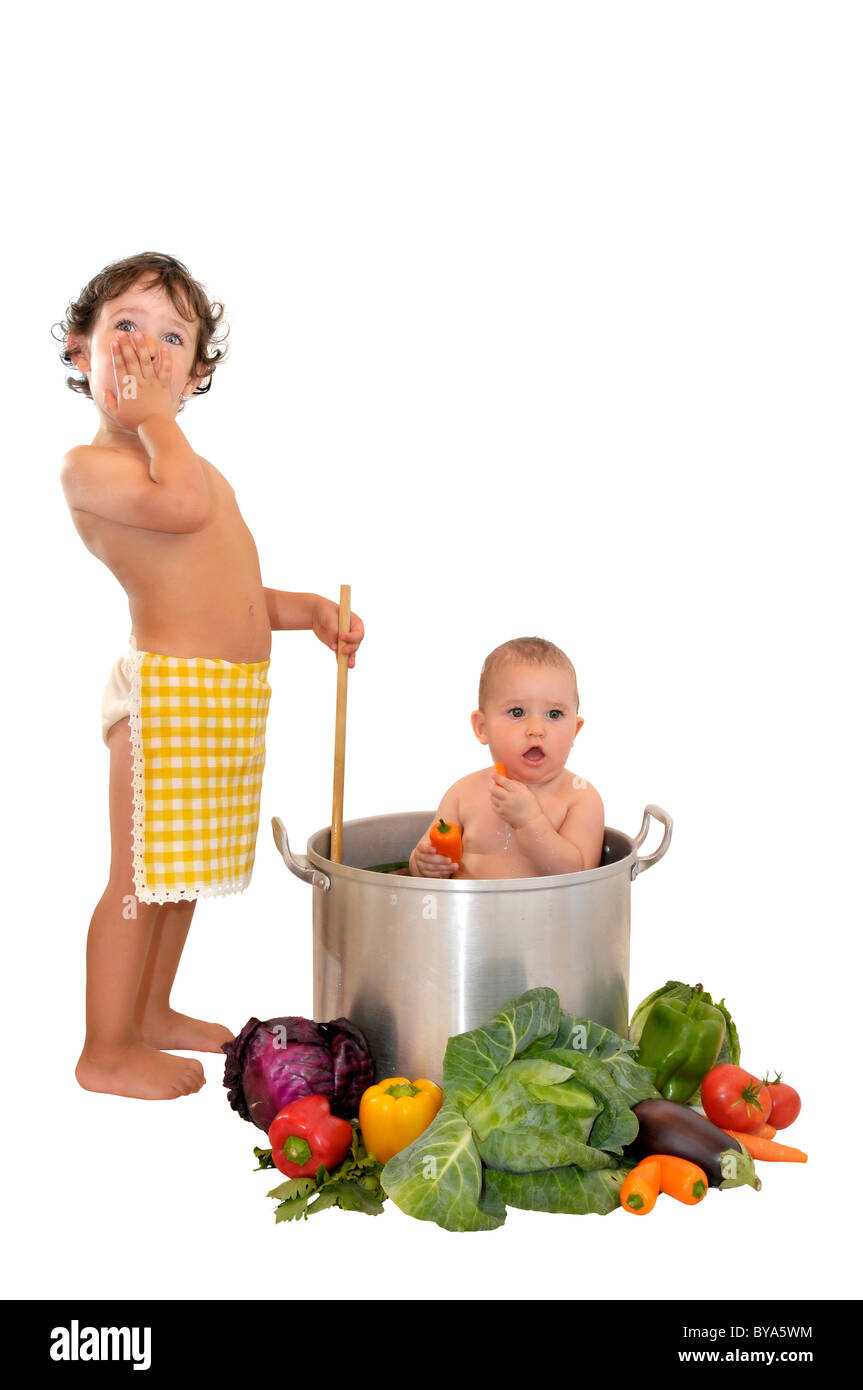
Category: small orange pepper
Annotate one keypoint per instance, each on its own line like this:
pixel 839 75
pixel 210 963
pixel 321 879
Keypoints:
pixel 395 1112
pixel 641 1187
pixel 446 839
pixel 681 1179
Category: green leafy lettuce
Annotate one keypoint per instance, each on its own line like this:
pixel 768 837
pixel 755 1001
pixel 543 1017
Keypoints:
pixel 537 1109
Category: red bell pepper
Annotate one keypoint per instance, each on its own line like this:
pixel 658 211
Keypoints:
pixel 304 1135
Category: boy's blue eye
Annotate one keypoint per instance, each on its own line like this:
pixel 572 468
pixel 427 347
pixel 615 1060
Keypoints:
pixel 555 714
pixel 128 324
pixel 517 711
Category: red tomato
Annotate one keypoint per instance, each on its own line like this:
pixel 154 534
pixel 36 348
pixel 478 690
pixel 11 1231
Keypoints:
pixel 785 1103
pixel 734 1099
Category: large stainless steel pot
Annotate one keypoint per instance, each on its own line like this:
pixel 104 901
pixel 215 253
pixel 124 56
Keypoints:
pixel 413 960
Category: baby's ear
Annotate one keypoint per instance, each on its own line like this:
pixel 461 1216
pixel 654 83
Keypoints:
pixel 578 725
pixel 478 725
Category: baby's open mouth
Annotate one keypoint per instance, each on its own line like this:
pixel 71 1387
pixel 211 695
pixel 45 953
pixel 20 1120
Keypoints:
pixel 533 755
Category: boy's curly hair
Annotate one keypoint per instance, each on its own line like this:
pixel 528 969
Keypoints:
pixel 536 651
pixel 187 295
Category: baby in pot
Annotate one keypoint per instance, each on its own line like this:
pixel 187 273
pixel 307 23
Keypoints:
pixel 537 817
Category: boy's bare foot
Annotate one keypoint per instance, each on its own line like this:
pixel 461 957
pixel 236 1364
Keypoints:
pixel 171 1029
pixel 141 1072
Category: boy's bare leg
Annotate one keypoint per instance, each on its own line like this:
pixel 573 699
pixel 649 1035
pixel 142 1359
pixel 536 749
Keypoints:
pixel 114 1058
pixel 158 1024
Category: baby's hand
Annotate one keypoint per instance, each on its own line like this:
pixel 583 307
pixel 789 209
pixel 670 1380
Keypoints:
pixel 427 863
pixel 143 384
pixel 513 801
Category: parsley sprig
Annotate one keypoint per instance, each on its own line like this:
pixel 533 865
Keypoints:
pixel 354 1185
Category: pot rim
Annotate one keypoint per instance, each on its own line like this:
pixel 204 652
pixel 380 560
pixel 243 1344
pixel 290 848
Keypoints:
pixel 538 883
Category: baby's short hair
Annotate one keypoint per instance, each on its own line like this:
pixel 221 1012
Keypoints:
pixel 533 650
pixel 189 298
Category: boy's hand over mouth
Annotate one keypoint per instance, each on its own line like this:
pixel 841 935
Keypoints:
pixel 513 801
pixel 143 381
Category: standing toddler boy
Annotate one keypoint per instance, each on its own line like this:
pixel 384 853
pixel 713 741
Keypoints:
pixel 184 712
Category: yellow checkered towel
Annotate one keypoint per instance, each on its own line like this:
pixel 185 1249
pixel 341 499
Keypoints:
pixel 197 727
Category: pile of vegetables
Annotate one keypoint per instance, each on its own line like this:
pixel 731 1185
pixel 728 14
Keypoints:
pixel 692 1049
pixel 537 1110
pixel 302 1082
pixel 669 1127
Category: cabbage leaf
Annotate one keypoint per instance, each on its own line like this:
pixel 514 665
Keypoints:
pixel 439 1177
pixel 570 1190
pixel 533 1115
pixel 473 1059
pixel 537 1109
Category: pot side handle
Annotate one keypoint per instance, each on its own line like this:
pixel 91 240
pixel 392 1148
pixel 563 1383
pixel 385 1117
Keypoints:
pixel 647 861
pixel 299 867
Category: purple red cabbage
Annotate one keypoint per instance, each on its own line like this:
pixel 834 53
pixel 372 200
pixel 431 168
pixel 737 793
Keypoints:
pixel 270 1064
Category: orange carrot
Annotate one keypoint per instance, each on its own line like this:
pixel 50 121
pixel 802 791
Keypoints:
pixel 500 769
pixel 681 1179
pixel 641 1187
pixel 767 1149
pixel 766 1131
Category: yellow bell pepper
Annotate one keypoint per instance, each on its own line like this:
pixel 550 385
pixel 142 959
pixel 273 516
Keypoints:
pixel 395 1112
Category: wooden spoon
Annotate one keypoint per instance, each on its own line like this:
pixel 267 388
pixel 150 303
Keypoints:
pixel 341 727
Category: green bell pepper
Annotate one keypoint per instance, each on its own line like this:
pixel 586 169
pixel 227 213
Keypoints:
pixel 681 1042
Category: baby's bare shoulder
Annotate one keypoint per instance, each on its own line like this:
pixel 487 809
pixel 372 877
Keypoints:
pixel 471 779
pixel 474 783
pixel 577 791
pixel 458 799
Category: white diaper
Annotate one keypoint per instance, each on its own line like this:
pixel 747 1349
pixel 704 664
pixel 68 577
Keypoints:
pixel 115 700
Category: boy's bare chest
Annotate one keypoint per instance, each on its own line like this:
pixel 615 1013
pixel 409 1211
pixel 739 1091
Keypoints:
pixel 139 558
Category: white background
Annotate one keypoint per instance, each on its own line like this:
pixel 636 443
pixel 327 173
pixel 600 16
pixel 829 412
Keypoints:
pixel 544 319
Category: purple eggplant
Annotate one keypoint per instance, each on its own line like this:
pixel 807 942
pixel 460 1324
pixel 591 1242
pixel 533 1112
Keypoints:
pixel 667 1127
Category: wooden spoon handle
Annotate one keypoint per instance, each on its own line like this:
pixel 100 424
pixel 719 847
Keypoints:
pixel 341 727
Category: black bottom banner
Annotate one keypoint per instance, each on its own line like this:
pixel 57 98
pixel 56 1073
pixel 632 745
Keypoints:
pixel 227 1337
